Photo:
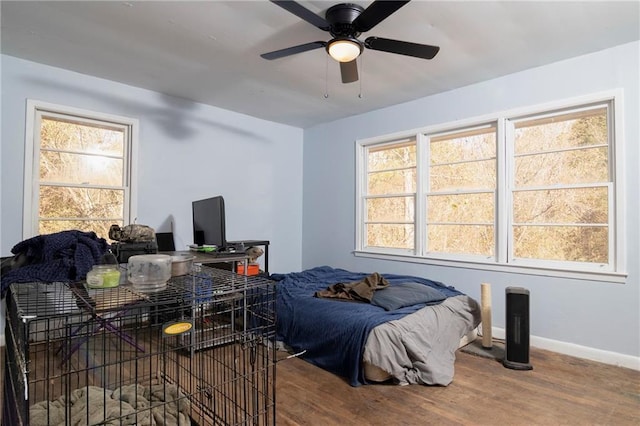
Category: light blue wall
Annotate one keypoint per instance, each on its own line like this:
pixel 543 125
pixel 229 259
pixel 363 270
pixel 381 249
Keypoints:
pixel 190 151
pixel 599 315
pixel 187 151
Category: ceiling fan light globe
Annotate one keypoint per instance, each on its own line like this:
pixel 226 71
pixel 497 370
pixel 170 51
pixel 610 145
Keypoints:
pixel 344 50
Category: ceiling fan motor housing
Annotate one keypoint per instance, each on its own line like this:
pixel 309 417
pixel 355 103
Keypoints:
pixel 341 17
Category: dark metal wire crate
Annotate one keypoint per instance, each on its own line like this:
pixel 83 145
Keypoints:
pixel 200 351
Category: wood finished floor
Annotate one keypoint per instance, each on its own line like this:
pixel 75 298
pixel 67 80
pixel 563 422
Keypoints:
pixel 560 390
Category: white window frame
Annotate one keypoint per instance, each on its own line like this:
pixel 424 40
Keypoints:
pixel 610 266
pixel 30 221
pixel 426 137
pixel 362 205
pixel 502 261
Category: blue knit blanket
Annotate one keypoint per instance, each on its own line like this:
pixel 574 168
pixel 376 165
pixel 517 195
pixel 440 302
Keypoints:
pixel 63 256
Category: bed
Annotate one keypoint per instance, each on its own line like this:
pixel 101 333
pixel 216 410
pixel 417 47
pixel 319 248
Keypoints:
pixel 365 342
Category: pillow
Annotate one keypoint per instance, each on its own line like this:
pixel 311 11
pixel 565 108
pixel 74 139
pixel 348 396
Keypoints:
pixel 406 294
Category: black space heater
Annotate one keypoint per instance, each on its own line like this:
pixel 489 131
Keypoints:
pixel 517 329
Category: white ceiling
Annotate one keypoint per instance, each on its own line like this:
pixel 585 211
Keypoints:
pixel 208 51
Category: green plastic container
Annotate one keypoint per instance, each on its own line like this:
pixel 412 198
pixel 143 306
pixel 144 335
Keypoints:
pixel 103 276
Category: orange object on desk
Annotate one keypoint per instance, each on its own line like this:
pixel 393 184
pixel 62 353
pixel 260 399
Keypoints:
pixel 252 269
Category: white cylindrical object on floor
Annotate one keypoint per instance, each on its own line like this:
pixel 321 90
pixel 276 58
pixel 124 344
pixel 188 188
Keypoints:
pixel 485 304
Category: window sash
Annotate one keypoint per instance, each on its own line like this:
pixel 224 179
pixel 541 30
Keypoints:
pixel 513 189
pixel 362 232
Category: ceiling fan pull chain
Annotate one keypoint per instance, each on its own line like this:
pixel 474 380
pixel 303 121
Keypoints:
pixel 326 78
pixel 361 74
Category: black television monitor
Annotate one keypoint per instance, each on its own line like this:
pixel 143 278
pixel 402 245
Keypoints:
pixel 208 222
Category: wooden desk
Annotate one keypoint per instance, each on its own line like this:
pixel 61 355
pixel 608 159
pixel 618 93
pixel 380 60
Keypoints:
pixel 211 259
pixel 240 246
pixel 204 258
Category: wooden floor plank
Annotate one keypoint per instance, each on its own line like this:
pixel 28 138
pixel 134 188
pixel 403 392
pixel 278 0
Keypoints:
pixel 559 390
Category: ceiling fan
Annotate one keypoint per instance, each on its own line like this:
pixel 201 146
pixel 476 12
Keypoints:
pixel 345 22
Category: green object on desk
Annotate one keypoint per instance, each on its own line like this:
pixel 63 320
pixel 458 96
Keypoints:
pixel 203 249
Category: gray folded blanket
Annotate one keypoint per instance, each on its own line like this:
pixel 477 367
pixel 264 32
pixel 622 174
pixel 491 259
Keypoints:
pixel 161 405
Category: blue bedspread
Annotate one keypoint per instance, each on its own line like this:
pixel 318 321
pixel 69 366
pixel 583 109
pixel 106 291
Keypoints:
pixel 333 333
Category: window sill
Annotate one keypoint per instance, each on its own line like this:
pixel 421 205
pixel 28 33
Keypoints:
pixel 612 277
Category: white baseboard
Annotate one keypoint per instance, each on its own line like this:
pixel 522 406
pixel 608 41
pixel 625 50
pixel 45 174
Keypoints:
pixel 578 351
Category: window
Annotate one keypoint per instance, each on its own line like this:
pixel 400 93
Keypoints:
pixel 390 200
pixel 461 192
pixel 536 188
pixel 561 187
pixel 80 166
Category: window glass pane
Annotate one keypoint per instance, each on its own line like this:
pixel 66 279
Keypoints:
pixel 575 205
pixel 59 134
pixel 395 156
pixel 392 182
pixel 571 130
pixel 475 175
pixel 100 227
pixel 67 202
pixel 462 223
pixel 472 145
pixel 61 167
pixel 470 208
pixel 565 243
pixel 461 239
pixel 554 151
pixel 390 235
pixel 565 167
pixel 81 181
pixel 395 209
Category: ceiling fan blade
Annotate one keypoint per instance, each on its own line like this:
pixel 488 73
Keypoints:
pixel 377 12
pixel 349 71
pixel 303 13
pixel 416 50
pixel 276 54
